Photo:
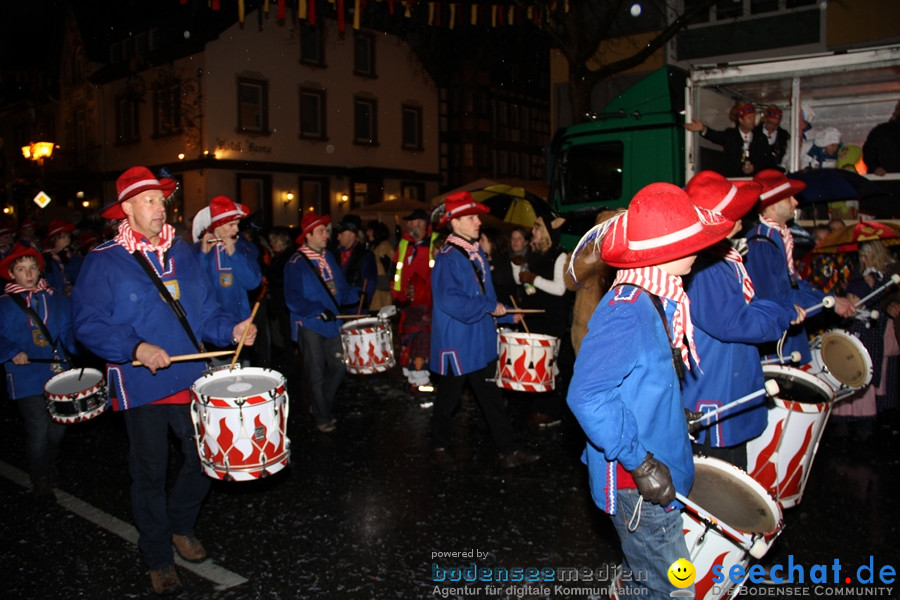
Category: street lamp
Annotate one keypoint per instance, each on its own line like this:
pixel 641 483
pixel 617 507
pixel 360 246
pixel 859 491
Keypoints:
pixel 38 151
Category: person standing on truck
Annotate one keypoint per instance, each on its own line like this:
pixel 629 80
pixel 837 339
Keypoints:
pixel 770 140
pixel 735 141
pixel 881 151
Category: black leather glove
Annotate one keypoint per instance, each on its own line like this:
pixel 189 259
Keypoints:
pixel 327 315
pixel 693 428
pixel 654 481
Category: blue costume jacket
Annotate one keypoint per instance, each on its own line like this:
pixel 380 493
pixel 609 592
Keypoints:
pixel 115 306
pixel 233 276
pixel 19 334
pixel 765 262
pixel 726 329
pixel 625 394
pixel 307 298
pixel 463 331
pixel 59 276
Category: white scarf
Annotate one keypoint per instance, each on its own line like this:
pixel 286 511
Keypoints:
pixel 728 253
pixel 41 286
pixel 132 241
pixel 662 284
pixel 322 264
pixel 472 249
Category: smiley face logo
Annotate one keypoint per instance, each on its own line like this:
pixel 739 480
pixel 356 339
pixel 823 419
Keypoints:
pixel 682 573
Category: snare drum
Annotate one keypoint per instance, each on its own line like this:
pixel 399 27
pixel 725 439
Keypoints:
pixel 75 395
pixel 368 346
pixel 527 361
pixel 240 422
pixel 842 361
pixel 728 518
pixel 781 458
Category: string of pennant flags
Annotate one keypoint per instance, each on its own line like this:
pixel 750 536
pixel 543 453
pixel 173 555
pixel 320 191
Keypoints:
pixel 440 13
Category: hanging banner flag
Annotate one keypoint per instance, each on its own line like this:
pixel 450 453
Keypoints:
pixel 282 6
pixel 341 15
pixel 240 11
pixel 356 14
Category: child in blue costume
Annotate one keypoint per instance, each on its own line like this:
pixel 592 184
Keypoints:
pixel 22 342
pixel 625 391
pixel 730 320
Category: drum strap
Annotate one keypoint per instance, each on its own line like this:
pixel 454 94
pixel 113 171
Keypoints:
pixel 29 312
pixel 479 276
pixel 174 304
pixel 318 275
pixel 676 352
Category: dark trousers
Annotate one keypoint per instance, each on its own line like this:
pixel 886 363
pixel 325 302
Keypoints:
pixel 324 371
pixel 42 438
pixel 156 516
pixel 490 398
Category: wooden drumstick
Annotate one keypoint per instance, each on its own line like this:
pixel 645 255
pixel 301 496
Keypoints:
pixel 515 306
pixel 525 311
pixel 186 357
pixel 243 336
pixel 356 316
pixel 362 296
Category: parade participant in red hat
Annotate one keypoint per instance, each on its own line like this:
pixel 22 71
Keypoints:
pixel 769 144
pixel 63 263
pixel 27 354
pixel 735 141
pixel 729 321
pixel 315 291
pixel 144 297
pixel 230 261
pixel 464 334
pixel 638 453
pixel 770 259
pixel 411 291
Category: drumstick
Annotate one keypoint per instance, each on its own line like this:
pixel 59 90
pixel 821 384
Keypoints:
pixel 525 311
pixel 793 357
pixel 758 548
pixel 515 306
pixel 827 302
pixel 185 357
pixel 356 316
pixel 362 296
pixel 771 388
pixel 894 280
pixel 244 336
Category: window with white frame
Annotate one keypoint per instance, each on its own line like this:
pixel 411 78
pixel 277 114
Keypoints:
pixel 365 124
pixel 253 105
pixel 167 109
pixel 312 113
pixel 412 127
pixel 364 54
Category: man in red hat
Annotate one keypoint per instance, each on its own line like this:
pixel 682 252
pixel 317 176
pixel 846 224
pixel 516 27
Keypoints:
pixel 735 141
pixel 730 320
pixel 230 261
pixel 464 334
pixel 62 262
pixel 315 291
pixel 638 453
pixel 27 354
pixel 411 290
pixel 143 296
pixel 770 260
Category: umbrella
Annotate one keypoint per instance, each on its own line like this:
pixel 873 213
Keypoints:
pixel 833 185
pixel 849 238
pixel 514 204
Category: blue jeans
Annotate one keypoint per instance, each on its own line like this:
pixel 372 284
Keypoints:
pixel 42 438
pixel 156 516
pixel 650 549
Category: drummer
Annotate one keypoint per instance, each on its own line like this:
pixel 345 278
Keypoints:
pixel 120 314
pixel 315 292
pixel 21 342
pixel 770 260
pixel 729 321
pixel 638 454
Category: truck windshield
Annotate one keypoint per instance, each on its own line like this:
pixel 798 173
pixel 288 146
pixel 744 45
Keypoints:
pixel 591 174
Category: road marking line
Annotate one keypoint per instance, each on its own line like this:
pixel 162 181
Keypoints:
pixel 223 578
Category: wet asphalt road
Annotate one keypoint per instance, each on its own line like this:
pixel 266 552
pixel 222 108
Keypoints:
pixel 361 513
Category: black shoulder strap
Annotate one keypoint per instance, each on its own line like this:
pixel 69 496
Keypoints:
pixel 29 312
pixel 676 352
pixel 479 276
pixel 173 303
pixel 318 275
pixel 794 284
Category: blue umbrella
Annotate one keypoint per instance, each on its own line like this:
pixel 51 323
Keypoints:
pixel 832 185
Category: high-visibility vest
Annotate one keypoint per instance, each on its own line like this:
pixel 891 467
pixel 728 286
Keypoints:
pixel 401 256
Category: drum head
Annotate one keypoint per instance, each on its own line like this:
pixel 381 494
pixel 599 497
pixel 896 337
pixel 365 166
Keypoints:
pixel 361 324
pixel 798 386
pixel 730 500
pixel 73 381
pixel 239 384
pixel 846 358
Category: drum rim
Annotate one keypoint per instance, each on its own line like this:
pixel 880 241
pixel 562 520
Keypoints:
pixel 207 378
pixel 530 336
pixel 69 373
pixel 805 376
pixel 726 467
pixel 372 320
pixel 856 343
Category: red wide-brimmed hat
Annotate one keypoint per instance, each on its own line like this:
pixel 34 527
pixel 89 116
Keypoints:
pixel 56 227
pixel 309 222
pixel 710 190
pixel 131 183
pixel 661 225
pixel 776 186
pixel 460 204
pixel 223 210
pixel 18 251
pixel 87 238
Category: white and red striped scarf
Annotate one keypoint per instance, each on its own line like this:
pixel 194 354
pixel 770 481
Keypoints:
pixel 731 255
pixel 129 240
pixel 40 286
pixel 787 239
pixel 322 264
pixel 472 249
pixel 662 284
